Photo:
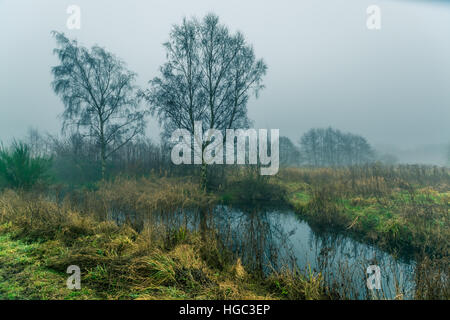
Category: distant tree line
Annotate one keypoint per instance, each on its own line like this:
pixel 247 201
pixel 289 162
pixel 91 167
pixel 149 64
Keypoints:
pixel 289 153
pixel 331 147
pixel 328 147
pixel 209 76
pixel 75 158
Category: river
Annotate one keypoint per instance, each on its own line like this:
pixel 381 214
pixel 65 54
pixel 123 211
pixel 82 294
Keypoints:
pixel 270 239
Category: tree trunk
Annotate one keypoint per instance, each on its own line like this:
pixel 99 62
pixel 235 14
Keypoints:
pixel 102 151
pixel 103 164
pixel 204 176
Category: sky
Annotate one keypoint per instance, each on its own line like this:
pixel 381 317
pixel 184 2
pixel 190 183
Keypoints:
pixel 325 68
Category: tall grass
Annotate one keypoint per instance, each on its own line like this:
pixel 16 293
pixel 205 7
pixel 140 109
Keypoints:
pixel 402 208
pixel 145 256
pixel 128 238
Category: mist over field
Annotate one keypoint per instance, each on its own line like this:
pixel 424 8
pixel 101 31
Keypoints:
pixel 325 68
pixel 224 150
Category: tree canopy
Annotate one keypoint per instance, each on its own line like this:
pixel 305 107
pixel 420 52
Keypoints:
pixel 99 95
pixel 208 77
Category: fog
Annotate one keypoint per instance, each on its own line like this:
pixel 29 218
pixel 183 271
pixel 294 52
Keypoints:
pixel 325 67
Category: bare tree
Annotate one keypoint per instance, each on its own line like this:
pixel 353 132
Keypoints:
pixel 99 95
pixel 208 77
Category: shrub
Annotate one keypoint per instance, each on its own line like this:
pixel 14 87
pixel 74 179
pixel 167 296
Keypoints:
pixel 20 169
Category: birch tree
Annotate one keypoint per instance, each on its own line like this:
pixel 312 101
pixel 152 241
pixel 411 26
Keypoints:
pixel 99 95
pixel 209 76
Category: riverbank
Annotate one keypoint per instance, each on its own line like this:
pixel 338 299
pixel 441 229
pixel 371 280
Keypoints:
pixel 40 238
pixel 37 271
pixel 127 238
pixel 404 211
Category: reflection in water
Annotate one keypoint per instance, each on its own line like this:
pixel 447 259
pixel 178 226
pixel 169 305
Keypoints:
pixel 266 239
pixel 271 239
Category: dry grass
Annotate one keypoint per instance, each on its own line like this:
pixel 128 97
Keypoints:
pixel 147 256
pixel 402 208
pixel 119 261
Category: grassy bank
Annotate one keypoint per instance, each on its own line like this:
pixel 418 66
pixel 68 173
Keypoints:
pixel 129 242
pixel 400 209
pixel 143 257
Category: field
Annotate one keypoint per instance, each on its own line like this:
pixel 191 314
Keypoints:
pixel 146 255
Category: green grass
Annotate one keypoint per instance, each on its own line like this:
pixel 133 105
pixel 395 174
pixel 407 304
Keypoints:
pixel 39 238
pixel 23 276
pixel 33 271
pixel 398 220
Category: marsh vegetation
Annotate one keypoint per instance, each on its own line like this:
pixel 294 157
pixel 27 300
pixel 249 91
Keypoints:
pixel 106 198
pixel 304 234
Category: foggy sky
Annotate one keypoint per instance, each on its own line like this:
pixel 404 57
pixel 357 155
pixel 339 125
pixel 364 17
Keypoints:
pixel 325 68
